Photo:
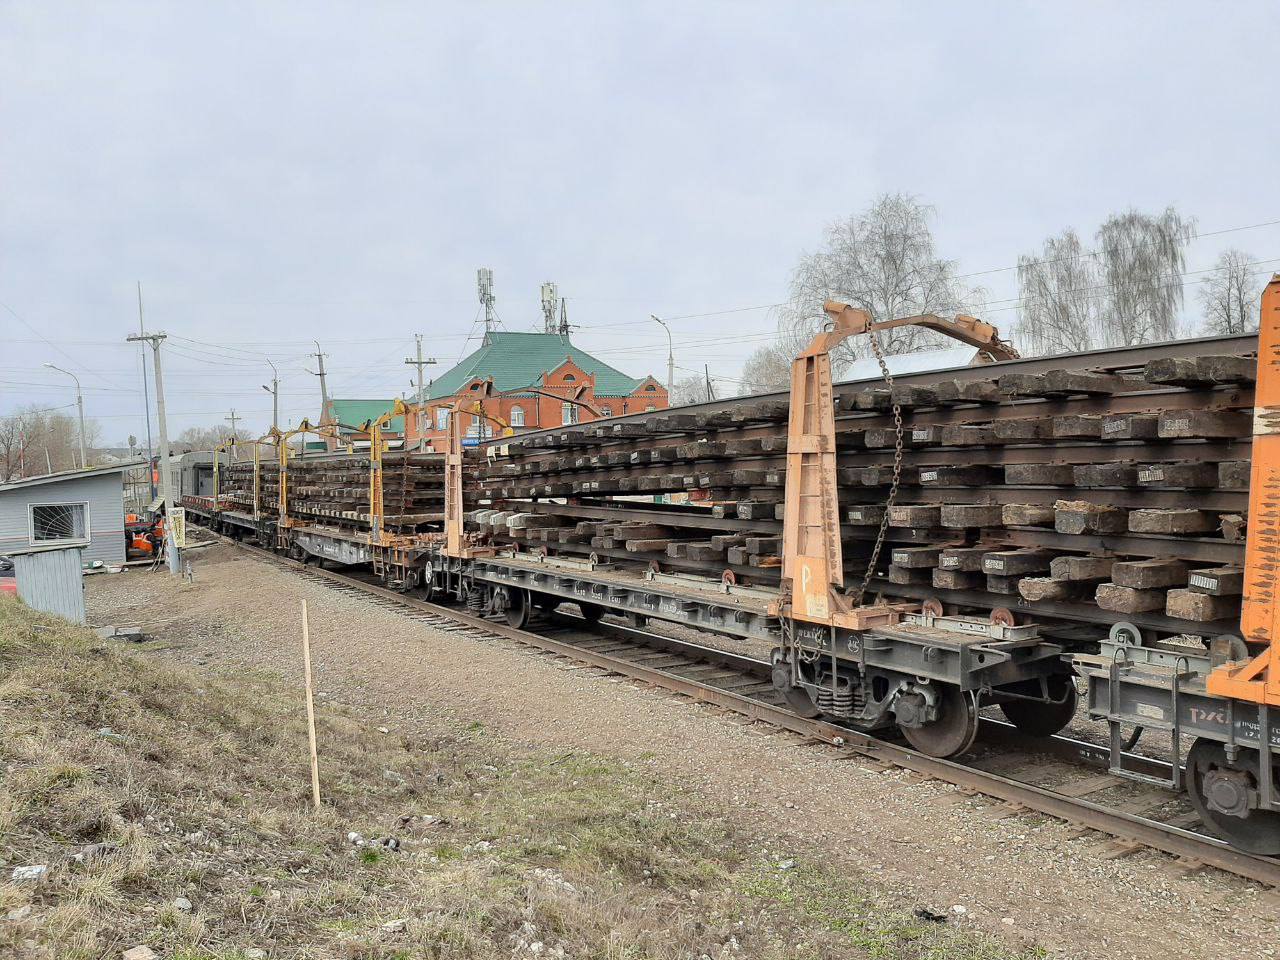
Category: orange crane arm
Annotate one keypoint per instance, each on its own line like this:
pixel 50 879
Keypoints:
pixel 850 321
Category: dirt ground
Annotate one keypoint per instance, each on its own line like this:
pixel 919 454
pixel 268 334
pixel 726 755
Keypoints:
pixel 1024 878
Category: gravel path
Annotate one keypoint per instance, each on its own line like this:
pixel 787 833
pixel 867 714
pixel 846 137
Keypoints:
pixel 1026 878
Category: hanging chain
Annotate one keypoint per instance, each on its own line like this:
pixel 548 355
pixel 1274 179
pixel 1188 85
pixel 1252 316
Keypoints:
pixel 897 472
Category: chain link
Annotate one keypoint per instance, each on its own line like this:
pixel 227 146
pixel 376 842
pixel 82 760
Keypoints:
pixel 897 472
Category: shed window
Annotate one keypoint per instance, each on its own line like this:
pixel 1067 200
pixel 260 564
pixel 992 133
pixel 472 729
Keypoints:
pixel 517 416
pixel 442 418
pixel 54 522
pixel 568 413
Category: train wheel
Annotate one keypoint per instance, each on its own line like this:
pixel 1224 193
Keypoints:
pixel 518 607
pixel 955 729
pixel 1044 719
pixel 1221 791
pixel 797 698
pixel 591 612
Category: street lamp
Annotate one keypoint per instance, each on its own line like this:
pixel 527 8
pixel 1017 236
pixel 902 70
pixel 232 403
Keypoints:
pixel 84 462
pixel 671 357
pixel 274 390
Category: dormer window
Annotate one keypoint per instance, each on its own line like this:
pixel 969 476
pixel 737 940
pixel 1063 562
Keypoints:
pixel 475 386
pixel 569 378
pixel 649 388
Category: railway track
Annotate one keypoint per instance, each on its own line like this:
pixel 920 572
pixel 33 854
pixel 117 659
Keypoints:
pixel 1024 775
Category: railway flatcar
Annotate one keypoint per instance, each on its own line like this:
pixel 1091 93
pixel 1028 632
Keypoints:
pixel 915 548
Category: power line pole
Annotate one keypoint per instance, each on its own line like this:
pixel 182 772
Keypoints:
pixel 711 394
pixel 146 401
pixel 234 435
pixel 274 390
pixel 484 283
pixel 420 398
pixel 324 390
pixel 166 480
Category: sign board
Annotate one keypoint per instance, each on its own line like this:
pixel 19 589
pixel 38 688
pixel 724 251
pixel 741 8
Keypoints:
pixel 177 520
pixel 471 441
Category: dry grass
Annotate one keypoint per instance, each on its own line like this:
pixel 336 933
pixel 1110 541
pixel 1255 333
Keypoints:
pixel 197 787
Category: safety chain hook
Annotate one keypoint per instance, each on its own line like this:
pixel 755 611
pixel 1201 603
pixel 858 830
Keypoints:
pixel 897 471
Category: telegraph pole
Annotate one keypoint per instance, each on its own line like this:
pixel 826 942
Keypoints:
pixel 166 480
pixel 420 362
pixel 274 390
pixel 146 401
pixel 234 436
pixel 324 390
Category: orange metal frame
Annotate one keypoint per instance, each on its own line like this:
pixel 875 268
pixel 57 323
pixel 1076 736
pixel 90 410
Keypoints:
pixel 812 558
pixel 453 506
pixel 1258 678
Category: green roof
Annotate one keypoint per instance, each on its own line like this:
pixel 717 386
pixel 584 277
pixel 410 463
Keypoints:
pixel 516 360
pixel 355 412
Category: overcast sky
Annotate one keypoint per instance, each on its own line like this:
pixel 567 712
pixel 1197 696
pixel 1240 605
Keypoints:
pixel 280 172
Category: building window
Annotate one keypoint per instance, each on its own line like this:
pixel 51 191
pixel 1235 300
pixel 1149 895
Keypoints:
pixel 442 418
pixel 569 378
pixel 475 386
pixel 649 388
pixel 58 522
pixel 606 412
pixel 517 416
pixel 568 413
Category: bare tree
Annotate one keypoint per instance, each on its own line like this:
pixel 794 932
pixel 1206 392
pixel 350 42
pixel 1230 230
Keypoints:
pixel 768 368
pixel 1230 294
pixel 883 261
pixel 34 441
pixel 1142 259
pixel 1060 299
pixel 206 438
pixel 688 390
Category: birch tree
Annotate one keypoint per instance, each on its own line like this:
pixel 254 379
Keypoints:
pixel 1229 296
pixel 1060 299
pixel 1142 259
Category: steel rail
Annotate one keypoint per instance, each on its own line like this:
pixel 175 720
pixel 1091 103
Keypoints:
pixel 1183 844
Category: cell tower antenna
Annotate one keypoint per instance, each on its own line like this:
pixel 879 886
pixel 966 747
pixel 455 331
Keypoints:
pixel 484 284
pixel 549 300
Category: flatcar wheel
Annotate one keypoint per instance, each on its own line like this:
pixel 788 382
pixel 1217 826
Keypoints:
pixel 518 607
pixel 591 612
pixel 1044 719
pixel 955 729
pixel 1220 792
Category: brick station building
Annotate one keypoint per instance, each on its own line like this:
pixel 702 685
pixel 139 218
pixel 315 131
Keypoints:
pixel 518 363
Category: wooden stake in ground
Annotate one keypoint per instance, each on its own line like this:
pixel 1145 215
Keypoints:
pixel 311 707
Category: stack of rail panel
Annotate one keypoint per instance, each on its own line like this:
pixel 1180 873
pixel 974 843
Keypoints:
pixel 1115 490
pixel 335 489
